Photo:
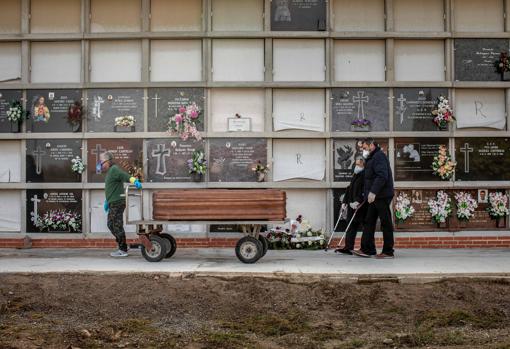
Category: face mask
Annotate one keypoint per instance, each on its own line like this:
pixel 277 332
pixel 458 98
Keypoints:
pixel 358 169
pixel 366 153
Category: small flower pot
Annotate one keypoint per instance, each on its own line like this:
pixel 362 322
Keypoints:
pixel 196 177
pixel 365 128
pixel 501 222
pixel 442 225
pixel 124 129
pixel 261 177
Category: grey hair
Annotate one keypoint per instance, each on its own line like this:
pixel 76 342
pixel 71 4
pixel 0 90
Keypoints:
pixel 108 156
pixel 360 158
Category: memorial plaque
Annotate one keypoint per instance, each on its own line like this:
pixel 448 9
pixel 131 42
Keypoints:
pixel 48 110
pixel 412 108
pixel 41 202
pixel 231 160
pixel 352 104
pixel 6 97
pixel 104 105
pixel 165 102
pixel 168 159
pixel 475 59
pixel 298 15
pixel 482 159
pixel 49 160
pixel 421 219
pixel 345 153
pixel 127 154
pixel 414 157
pixel 481 219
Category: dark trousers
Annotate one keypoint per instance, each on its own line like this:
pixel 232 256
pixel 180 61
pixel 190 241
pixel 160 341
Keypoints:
pixel 380 208
pixel 116 224
pixel 357 222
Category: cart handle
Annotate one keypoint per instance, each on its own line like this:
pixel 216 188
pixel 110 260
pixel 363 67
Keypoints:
pixel 127 195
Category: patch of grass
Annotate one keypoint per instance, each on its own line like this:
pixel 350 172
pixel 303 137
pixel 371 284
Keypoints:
pixel 426 336
pixel 484 319
pixel 225 340
pixel 271 325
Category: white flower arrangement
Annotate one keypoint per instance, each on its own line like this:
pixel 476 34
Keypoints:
pixel 77 165
pixel 15 113
pixel 498 205
pixel 441 207
pixel 466 205
pixel 403 207
pixel 443 112
pixel 125 121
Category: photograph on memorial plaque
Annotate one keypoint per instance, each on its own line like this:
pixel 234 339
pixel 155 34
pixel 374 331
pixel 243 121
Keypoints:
pixel 344 155
pixel 482 159
pixel 54 211
pixel 164 103
pixel 414 157
pixel 412 108
pixel 475 59
pixel 168 159
pixel 360 109
pixel 421 219
pixel 6 98
pixel 49 110
pixel 115 110
pixel 298 15
pixel 49 160
pixel 127 154
pixel 232 159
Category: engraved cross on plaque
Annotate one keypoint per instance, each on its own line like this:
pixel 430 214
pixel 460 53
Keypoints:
pixel 156 99
pixel 466 150
pixel 97 152
pixel 160 154
pixel 35 213
pixel 401 107
pixel 38 154
pixel 360 99
pixel 98 100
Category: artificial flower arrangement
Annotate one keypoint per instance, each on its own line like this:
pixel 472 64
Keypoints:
pixel 403 208
pixel 260 170
pixel 299 235
pixel 125 121
pixel 75 113
pixel 443 114
pixel 503 64
pixel 77 165
pixel 197 164
pixel 16 113
pixel 466 206
pixel 498 205
pixel 443 166
pixel 361 123
pixel 184 123
pixel 59 220
pixel 441 207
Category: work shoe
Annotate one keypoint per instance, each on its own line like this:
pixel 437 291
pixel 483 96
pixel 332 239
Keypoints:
pixel 385 256
pixel 360 253
pixel 343 251
pixel 119 253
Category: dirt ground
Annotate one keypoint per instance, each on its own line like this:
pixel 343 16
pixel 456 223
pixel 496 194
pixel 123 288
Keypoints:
pixel 157 311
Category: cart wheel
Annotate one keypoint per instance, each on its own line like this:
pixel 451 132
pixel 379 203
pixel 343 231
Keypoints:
pixel 265 245
pixel 249 250
pixel 160 247
pixel 173 244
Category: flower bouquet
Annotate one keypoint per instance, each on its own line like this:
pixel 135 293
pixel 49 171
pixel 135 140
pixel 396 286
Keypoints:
pixel 304 237
pixel 16 113
pixel 261 171
pixel 197 165
pixel 443 166
pixel 403 208
pixel 125 123
pixel 279 238
pixel 503 64
pixel 440 208
pixel 360 125
pixel 498 207
pixel 184 123
pixel 466 206
pixel 74 114
pixel 443 114
pixel 59 220
pixel 77 165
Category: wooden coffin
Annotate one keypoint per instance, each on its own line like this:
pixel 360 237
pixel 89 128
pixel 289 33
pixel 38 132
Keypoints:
pixel 219 204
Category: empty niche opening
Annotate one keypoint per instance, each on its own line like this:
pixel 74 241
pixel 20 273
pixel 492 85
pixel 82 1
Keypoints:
pixel 10 17
pixel 310 203
pixel 229 15
pixel 366 15
pixel 419 15
pixel 419 60
pixel 10 213
pixel 10 162
pixel 176 15
pixel 115 16
pixel 299 60
pixel 302 109
pixel 360 60
pixel 55 16
pixel 55 62
pixel 115 61
pixel 299 159
pixel 176 60
pixel 247 103
pixel 10 61
pixel 238 60
pixel 98 217
pixel 478 16
pixel 478 108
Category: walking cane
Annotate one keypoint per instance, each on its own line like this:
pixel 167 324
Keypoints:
pixel 346 229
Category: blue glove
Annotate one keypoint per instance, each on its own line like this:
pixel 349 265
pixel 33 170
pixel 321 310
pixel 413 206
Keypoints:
pixel 106 207
pixel 137 184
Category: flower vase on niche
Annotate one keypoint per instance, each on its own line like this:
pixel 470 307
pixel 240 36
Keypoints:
pixel 442 225
pixel 16 127
pixel 74 116
pixel 360 125
pixel 196 177
pixel 124 128
pixel 124 124
pixel 261 177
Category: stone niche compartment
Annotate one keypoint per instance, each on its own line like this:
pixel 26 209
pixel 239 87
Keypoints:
pixel 115 16
pixel 301 109
pixel 10 17
pixel 10 162
pixel 418 15
pixel 367 15
pixel 116 61
pixel 238 59
pixel 310 203
pixel 299 60
pixel 477 108
pixel 55 16
pixel 419 60
pixel 478 16
pixel 176 60
pixel 226 103
pixel 98 217
pixel 360 60
pixel 235 15
pixel 176 15
pixel 10 62
pixel 55 62
pixel 10 213
pixel 299 159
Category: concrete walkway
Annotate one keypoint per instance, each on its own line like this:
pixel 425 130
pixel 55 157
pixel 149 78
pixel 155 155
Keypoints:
pixel 409 263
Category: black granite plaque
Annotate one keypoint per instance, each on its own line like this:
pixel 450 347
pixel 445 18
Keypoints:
pixel 412 108
pixel 49 160
pixel 104 105
pixel 48 110
pixel 127 154
pixel 231 160
pixel 49 204
pixel 482 159
pixel 298 15
pixel 352 104
pixel 475 59
pixel 414 157
pixel 6 97
pixel 167 159
pixel 165 102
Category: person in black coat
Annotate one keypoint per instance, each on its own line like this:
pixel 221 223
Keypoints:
pixel 352 199
pixel 379 193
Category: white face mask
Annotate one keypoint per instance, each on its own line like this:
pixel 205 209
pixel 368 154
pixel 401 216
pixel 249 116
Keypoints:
pixel 358 169
pixel 366 153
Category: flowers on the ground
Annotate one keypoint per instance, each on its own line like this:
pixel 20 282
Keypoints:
pixel 498 205
pixel 185 122
pixel 59 220
pixel 77 165
pixel 443 114
pixel 503 64
pixel 441 207
pixel 16 113
pixel 361 123
pixel 443 165
pixel 466 205
pixel 125 121
pixel 403 207
pixel 300 235
pixel 197 164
